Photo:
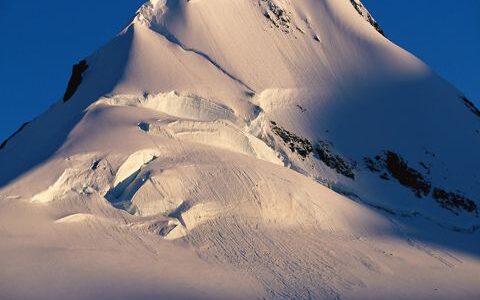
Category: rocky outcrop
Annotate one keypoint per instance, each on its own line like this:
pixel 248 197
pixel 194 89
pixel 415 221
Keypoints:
pixel 469 104
pixel 335 161
pixel 390 164
pixel 362 11
pixel 75 79
pixel 322 151
pixel 278 16
pixel 297 144
pixel 454 202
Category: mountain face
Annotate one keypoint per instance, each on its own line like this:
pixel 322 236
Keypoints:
pixel 279 149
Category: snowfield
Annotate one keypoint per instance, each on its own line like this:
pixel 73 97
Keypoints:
pixel 245 149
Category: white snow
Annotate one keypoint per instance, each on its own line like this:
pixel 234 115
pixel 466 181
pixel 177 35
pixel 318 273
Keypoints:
pixel 181 106
pixel 75 218
pixel 134 163
pixel 189 164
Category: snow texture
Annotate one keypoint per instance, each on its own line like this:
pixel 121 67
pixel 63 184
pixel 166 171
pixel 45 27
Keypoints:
pixel 245 149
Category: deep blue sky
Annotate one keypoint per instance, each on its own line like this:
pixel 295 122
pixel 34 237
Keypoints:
pixel 40 40
pixel 443 33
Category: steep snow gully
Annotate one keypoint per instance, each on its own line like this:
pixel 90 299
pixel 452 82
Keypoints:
pixel 245 149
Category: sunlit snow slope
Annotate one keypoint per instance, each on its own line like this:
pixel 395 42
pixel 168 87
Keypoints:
pixel 245 149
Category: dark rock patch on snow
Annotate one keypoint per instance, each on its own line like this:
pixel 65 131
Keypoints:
pixel 372 164
pixel 303 147
pixel 469 104
pixel 301 108
pixel 391 164
pixel 95 165
pixel 278 16
pixel 75 79
pixel 362 11
pixel 335 161
pixel 297 144
pixel 406 175
pixel 454 202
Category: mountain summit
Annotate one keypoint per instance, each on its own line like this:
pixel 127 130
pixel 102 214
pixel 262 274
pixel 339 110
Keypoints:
pixel 270 149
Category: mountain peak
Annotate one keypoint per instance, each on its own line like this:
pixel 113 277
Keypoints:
pixel 279 12
pixel 150 11
pixel 296 151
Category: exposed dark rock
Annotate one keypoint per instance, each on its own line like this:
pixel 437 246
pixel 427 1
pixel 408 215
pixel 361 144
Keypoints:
pixel 297 144
pixel 300 30
pixel 454 202
pixel 75 79
pixel 376 25
pixel 334 161
pixel 5 142
pixel 469 104
pixel 304 148
pixel 278 16
pixel 406 175
pixel 385 176
pixel 391 163
pixel 95 165
pixel 301 108
pixel 396 167
pixel 362 11
pixel 376 166
pixel 372 165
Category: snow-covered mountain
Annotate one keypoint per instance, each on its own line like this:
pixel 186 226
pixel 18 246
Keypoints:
pixel 245 149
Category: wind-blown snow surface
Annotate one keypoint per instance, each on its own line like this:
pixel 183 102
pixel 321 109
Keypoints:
pixel 246 149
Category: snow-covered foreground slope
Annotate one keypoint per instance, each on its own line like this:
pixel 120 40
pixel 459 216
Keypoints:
pixel 245 149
